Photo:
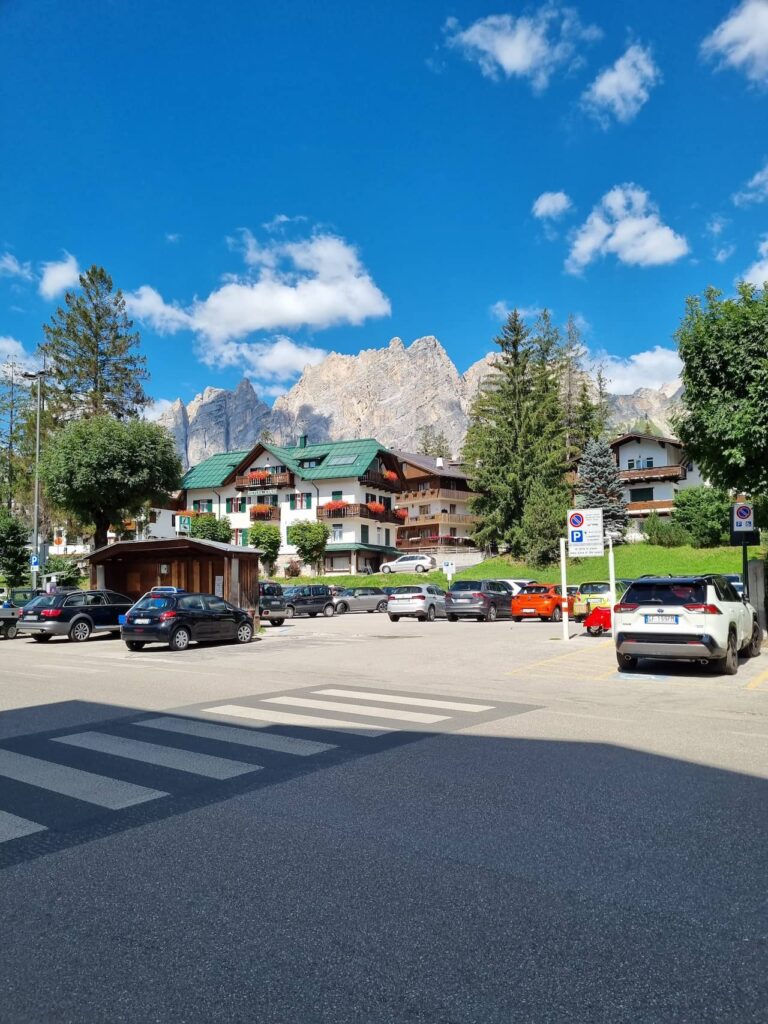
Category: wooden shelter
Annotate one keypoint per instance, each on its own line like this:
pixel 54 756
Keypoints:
pixel 133 567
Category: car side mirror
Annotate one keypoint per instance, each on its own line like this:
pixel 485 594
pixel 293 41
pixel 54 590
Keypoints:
pixel 744 598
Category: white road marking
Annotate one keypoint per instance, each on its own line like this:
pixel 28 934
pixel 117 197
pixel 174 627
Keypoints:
pixel 86 786
pixel 244 737
pixel 391 698
pixel 357 709
pixel 284 718
pixel 166 757
pixel 12 827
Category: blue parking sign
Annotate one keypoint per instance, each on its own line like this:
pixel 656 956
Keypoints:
pixel 577 536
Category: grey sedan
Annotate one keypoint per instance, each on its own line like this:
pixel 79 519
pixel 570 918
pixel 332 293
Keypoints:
pixel 360 599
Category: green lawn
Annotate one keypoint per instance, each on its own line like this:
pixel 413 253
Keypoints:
pixel 632 560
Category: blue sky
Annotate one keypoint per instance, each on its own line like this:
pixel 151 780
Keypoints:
pixel 270 181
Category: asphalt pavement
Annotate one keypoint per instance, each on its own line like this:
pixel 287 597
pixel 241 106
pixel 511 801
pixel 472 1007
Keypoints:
pixel 352 820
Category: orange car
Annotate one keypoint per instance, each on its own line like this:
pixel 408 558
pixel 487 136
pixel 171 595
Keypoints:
pixel 540 601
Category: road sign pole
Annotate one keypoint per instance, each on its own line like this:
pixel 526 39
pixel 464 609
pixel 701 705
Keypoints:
pixel 745 568
pixel 564 589
pixel 612 581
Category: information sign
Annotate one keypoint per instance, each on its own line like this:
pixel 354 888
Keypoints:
pixel 585 533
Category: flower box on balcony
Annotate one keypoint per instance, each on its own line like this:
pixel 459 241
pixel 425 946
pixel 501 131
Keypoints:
pixel 389 474
pixel 335 506
pixel 401 513
pixel 257 511
pixel 376 507
pixel 259 474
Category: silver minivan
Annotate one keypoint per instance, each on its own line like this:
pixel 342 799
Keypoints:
pixel 425 602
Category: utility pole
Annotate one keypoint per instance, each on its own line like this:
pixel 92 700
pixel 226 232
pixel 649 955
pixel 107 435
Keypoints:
pixel 38 376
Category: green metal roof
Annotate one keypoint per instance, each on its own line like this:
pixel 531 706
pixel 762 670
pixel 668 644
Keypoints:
pixel 364 452
pixel 335 549
pixel 214 471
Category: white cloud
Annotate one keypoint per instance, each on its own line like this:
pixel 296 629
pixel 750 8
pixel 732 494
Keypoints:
pixel 277 360
pixel 280 220
pixel 551 204
pixel 658 367
pixel 148 305
pixel 58 275
pixel 271 390
pixel 724 253
pixel 627 224
pixel 157 408
pixel 531 46
pixel 622 89
pixel 756 189
pixel 500 310
pixel 741 41
pixel 757 274
pixel 172 237
pixel 12 351
pixel 716 225
pixel 10 267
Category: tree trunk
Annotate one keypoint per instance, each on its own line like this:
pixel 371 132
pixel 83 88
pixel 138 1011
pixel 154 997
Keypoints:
pixel 100 532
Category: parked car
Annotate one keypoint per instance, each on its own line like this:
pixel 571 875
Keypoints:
pixel 310 599
pixel 75 614
pixel 696 618
pixel 540 601
pixel 484 600
pixel 271 603
pixel 594 595
pixel 177 619
pixel 516 585
pixel 734 578
pixel 410 563
pixel 9 620
pixel 425 602
pixel 360 599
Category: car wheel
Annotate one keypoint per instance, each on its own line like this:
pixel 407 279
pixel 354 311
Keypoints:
pixel 276 622
pixel 626 662
pixel 492 613
pixel 518 618
pixel 341 608
pixel 756 642
pixel 557 615
pixel 431 613
pixel 80 631
pixel 290 611
pixel 453 618
pixel 134 645
pixel 328 611
pixel 729 665
pixel 420 568
pixel 244 633
pixel 180 639
pixel 41 638
pixel 595 630
pixel 394 618
pixel 10 631
pixel 385 568
pixel 381 606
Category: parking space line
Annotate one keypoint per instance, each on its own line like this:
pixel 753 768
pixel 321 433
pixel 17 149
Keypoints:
pixel 557 657
pixel 758 681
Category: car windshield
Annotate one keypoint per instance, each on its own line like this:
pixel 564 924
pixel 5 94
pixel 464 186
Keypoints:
pixel 347 593
pixel 271 589
pixel 407 590
pixel 465 585
pixel 44 601
pixel 154 601
pixel 666 593
pixel 534 590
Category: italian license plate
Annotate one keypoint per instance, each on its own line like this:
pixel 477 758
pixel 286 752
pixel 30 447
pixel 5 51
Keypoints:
pixel 529 611
pixel 30 618
pixel 461 600
pixel 661 620
pixel 142 622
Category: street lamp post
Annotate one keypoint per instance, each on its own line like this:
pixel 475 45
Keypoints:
pixel 38 376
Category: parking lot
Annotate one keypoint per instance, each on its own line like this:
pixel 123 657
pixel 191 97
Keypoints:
pixel 439 821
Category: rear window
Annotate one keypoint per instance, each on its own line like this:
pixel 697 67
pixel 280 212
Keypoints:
pixel 595 588
pixel 45 601
pixel 155 601
pixel 535 590
pixel 465 585
pixel 407 590
pixel 271 590
pixel 666 593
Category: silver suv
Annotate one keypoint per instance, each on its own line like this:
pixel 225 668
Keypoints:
pixel 410 563
pixel 425 602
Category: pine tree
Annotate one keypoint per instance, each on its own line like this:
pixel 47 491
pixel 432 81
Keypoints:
pixel 543 523
pixel 434 443
pixel 599 486
pixel 92 354
pixel 14 405
pixel 547 413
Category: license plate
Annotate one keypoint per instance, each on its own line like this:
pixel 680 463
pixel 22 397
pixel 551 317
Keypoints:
pixel 30 618
pixel 461 600
pixel 529 611
pixel 661 620
pixel 142 622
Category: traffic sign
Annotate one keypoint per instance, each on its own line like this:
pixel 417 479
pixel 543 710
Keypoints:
pixel 34 562
pixel 585 533
pixel 743 529
pixel 183 524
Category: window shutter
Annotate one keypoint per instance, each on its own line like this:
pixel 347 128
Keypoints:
pixel 335 495
pixel 292 501
pixel 308 500
pixel 364 534
pixel 229 505
pixel 386 537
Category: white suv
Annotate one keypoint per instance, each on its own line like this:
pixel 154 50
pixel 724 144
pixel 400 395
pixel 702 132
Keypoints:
pixel 410 563
pixel 699 618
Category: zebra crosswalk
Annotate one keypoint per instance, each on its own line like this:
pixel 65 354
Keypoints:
pixel 71 785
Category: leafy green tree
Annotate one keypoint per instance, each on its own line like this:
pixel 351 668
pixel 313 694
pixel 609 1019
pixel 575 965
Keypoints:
pixel 14 550
pixel 310 540
pixel 92 353
pixel 433 443
pixel 665 533
pixel 704 513
pixel 208 527
pixel 267 537
pixel 65 569
pixel 599 486
pixel 543 523
pixel 98 469
pixel 724 426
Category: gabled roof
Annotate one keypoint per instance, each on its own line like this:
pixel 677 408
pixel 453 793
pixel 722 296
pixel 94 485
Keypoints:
pixel 213 471
pixel 429 464
pixel 645 437
pixel 356 457
pixel 168 546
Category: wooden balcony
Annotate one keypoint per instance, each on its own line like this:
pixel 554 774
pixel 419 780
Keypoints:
pixel 358 512
pixel 250 483
pixel 435 494
pixel 636 508
pixel 631 476
pixel 433 543
pixel 378 480
pixel 270 515
pixel 442 519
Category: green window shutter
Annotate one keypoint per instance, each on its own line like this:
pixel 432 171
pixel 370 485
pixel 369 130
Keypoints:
pixel 335 495
pixel 244 538
pixel 364 534
pixel 292 501
pixel 229 505
pixel 386 537
pixel 308 500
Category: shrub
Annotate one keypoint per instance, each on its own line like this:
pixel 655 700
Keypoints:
pixel 267 537
pixel 208 527
pixel 665 533
pixel 293 568
pixel 704 513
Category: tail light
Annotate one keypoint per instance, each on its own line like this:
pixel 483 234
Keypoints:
pixel 480 594
pixel 625 607
pixel 703 609
pixel 165 616
pixel 50 613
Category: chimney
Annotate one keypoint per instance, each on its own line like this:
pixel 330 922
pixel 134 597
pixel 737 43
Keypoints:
pixel 303 441
pixel 439 462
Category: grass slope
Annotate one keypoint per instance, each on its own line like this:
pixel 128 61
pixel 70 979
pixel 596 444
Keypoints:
pixel 632 560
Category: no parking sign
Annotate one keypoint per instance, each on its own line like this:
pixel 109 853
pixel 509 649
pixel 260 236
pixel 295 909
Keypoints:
pixel 585 532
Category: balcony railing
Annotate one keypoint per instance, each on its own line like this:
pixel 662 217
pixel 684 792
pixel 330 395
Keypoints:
pixel 374 479
pixel 425 543
pixel 436 494
pixel 676 472
pixel 662 505
pixel 267 515
pixel 444 518
pixel 248 482
pixel 358 512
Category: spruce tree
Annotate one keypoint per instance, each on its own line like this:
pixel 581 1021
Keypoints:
pixel 599 486
pixel 543 523
pixel 91 353
pixel 547 411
